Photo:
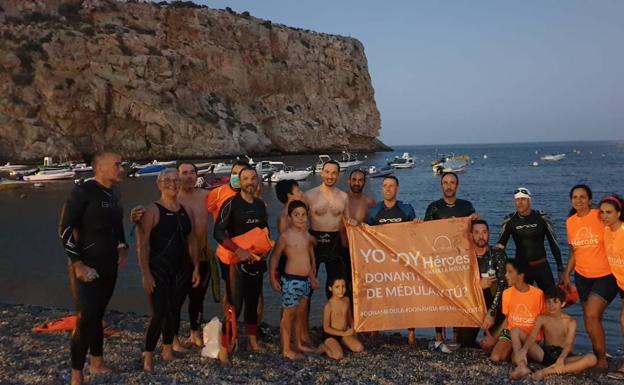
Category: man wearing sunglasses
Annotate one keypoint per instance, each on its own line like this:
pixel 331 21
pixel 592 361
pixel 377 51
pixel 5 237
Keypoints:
pixel 529 228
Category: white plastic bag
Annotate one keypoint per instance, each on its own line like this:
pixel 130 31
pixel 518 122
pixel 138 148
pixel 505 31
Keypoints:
pixel 212 338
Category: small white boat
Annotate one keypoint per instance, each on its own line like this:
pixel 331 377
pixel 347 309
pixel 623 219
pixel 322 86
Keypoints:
pixel 348 160
pixel 12 167
pixel 553 158
pixel 283 172
pixel 81 167
pixel 203 165
pixel 28 171
pixel 403 161
pixel 535 164
pixel 82 180
pixel 374 172
pixel 267 166
pixel 451 165
pixel 155 163
pixel 222 168
pixel 44 175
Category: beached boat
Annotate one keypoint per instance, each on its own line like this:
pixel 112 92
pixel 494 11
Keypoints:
pixel 553 158
pixel 45 175
pixel 374 172
pixel 151 170
pixel 403 161
pixel 283 172
pixel 12 167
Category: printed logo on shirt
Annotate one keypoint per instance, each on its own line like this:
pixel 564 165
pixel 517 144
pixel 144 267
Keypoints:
pixel 252 221
pixel 584 238
pixel 390 220
pixel 442 243
pixel 323 238
pixel 106 205
pixel 521 315
pixel 530 226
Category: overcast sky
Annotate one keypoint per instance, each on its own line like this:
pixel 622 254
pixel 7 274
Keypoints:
pixel 479 71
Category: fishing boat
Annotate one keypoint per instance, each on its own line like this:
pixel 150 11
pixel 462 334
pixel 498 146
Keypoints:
pixel 348 160
pixel 283 172
pixel 12 167
pixel 451 165
pixel 150 170
pixel 81 167
pixel 403 161
pixel 553 158
pixel 374 172
pixel 45 175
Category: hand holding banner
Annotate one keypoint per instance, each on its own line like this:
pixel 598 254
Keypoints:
pixel 415 275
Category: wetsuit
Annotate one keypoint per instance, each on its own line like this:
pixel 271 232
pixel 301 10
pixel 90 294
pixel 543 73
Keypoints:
pixel 243 281
pixel 168 262
pixel 381 214
pixel 528 234
pixel 495 259
pixel 329 250
pixel 207 273
pixel 91 228
pixel 441 210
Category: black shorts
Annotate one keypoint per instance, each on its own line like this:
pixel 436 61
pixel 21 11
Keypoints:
pixel 605 287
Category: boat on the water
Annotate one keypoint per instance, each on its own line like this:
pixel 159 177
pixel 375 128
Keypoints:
pixel 282 172
pixel 374 172
pixel 150 170
pixel 348 160
pixel 403 161
pixel 155 163
pixel 12 167
pixel 451 165
pixel 45 175
pixel 21 173
pixel 81 167
pixel 553 158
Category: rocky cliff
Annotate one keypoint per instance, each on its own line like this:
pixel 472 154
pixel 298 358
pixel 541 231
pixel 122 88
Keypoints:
pixel 174 80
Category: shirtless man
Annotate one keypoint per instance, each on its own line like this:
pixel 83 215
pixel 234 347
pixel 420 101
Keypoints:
pixel 193 200
pixel 359 203
pixel 559 331
pixel 328 206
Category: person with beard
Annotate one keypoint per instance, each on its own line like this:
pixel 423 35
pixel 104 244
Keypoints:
pixel 449 206
pixel 242 232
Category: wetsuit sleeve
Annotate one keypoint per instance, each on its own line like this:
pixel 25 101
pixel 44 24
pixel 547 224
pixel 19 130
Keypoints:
pixel 552 240
pixel 506 231
pixel 221 226
pixel 429 212
pixel 500 260
pixel 71 216
pixel 120 229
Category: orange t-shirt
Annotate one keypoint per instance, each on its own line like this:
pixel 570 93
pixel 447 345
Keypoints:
pixel 522 309
pixel 217 197
pixel 614 243
pixel 586 238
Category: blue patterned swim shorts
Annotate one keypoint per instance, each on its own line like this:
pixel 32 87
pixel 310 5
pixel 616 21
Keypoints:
pixel 294 287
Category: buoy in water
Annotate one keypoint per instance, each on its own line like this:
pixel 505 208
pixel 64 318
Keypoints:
pixel 484 156
pixel 535 164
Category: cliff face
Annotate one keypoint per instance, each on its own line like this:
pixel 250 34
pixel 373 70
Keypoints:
pixel 174 80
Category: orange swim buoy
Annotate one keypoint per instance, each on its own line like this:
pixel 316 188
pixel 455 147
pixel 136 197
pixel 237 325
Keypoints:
pixel 571 294
pixel 231 328
pixel 67 324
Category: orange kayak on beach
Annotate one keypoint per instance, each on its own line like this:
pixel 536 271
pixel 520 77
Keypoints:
pixel 67 324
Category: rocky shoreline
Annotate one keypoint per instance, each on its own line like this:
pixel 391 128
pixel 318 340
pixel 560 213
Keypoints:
pixel 29 358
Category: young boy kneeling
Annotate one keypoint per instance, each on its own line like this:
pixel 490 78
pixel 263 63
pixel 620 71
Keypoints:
pixel 298 278
pixel 559 332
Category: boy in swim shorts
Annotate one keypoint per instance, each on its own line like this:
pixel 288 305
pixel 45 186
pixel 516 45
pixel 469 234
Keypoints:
pixel 559 330
pixel 298 279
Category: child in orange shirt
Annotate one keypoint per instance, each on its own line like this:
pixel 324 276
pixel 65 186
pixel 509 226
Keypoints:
pixel 522 304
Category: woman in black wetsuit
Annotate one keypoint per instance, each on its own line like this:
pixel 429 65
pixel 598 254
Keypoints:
pixel 164 243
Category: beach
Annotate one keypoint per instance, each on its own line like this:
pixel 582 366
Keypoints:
pixel 29 358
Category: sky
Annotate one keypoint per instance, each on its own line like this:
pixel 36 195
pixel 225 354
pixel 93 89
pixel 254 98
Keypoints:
pixel 452 72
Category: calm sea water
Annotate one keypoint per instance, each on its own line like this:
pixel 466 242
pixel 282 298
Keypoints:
pixel 32 261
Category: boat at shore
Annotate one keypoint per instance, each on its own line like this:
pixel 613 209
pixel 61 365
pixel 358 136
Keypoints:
pixel 12 167
pixel 553 157
pixel 348 160
pixel 47 175
pixel 149 170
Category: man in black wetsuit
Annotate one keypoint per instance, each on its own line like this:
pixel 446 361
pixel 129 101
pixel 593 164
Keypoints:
pixel 92 232
pixel 391 210
pixel 243 275
pixel 529 228
pixel 448 207
pixel 491 262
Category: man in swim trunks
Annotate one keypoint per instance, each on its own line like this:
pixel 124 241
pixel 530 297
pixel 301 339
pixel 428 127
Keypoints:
pixel 328 206
pixel 92 232
pixel 449 206
pixel 529 228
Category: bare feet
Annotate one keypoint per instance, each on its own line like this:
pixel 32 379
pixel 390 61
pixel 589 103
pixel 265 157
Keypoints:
pixel 304 348
pixel 253 344
pixel 223 356
pixel 292 355
pixel 177 345
pixel 520 372
pixel 195 339
pixel 167 352
pixel 97 366
pixel 148 362
pixel 76 377
pixel 411 337
pixel 538 376
pixel 602 364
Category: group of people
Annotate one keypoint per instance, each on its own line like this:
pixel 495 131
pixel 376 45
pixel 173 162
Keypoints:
pixel 177 262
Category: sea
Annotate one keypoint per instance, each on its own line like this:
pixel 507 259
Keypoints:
pixel 33 263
